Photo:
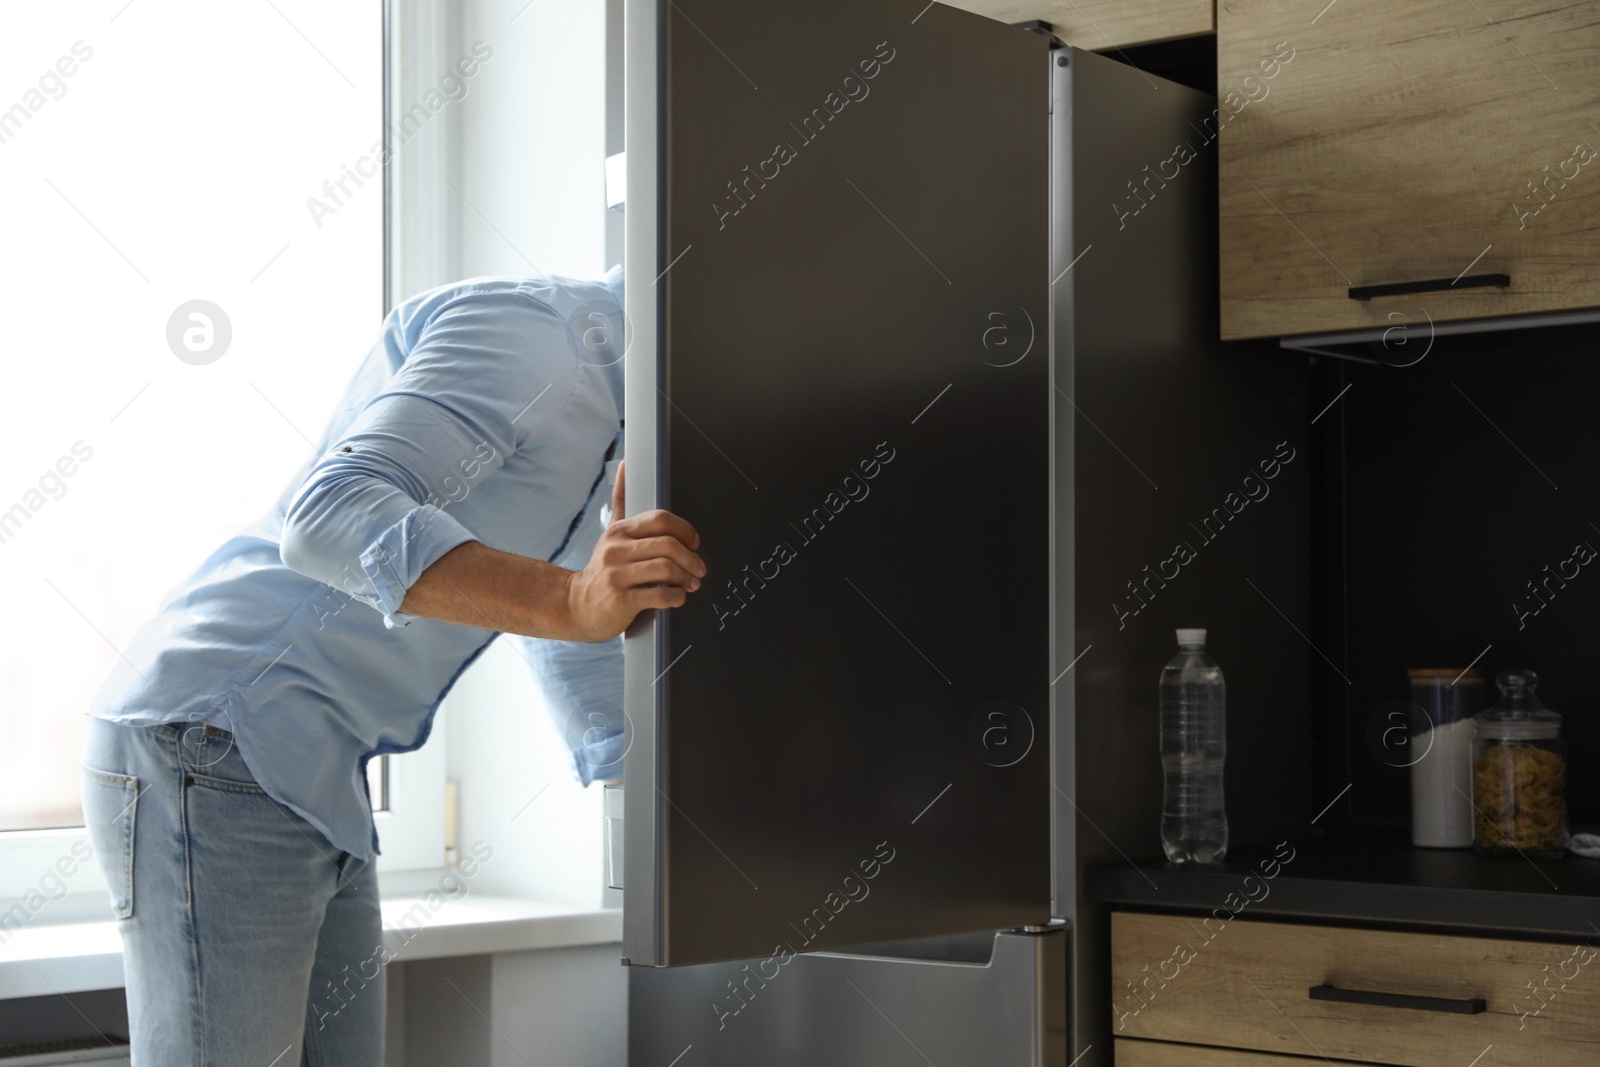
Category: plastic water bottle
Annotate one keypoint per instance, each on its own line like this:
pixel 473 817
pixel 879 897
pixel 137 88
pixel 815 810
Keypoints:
pixel 1194 827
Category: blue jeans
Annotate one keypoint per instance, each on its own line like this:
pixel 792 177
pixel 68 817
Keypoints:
pixel 247 938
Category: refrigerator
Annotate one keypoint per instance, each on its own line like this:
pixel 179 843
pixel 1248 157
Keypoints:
pixel 922 313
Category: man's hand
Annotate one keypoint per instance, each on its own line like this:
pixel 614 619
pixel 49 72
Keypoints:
pixel 640 562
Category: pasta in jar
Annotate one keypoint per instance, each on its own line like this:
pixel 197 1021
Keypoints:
pixel 1519 773
pixel 1521 798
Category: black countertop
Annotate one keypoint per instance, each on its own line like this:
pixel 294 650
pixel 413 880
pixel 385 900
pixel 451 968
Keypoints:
pixel 1370 882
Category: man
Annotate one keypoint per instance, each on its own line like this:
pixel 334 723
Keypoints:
pixel 457 494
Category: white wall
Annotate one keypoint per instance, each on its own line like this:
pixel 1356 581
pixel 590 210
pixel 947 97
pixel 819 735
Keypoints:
pixel 532 144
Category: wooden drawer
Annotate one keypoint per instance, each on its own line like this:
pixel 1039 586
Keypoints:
pixel 1166 1054
pixel 1405 142
pixel 1102 24
pixel 1227 981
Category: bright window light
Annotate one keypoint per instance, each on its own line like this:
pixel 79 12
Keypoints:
pixel 152 156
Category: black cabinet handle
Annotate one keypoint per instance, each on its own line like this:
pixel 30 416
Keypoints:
pixel 1470 281
pixel 1464 1006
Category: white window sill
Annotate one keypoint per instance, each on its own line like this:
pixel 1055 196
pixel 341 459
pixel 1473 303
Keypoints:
pixel 74 957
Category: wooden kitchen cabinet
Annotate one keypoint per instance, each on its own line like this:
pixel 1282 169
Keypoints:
pixel 1166 1054
pixel 1408 142
pixel 1199 984
pixel 1096 25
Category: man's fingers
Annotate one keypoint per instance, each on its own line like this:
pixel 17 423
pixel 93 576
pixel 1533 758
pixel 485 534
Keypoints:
pixel 655 572
pixel 670 548
pixel 656 596
pixel 659 523
pixel 616 492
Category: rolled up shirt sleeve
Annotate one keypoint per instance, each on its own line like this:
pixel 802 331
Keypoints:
pixel 400 554
pixel 373 512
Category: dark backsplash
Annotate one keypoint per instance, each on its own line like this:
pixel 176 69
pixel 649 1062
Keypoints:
pixel 1440 490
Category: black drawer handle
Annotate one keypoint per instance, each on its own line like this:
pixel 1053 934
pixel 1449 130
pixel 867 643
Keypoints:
pixel 1470 281
pixel 1463 1006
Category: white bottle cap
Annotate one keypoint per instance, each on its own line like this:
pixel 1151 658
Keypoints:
pixel 1191 637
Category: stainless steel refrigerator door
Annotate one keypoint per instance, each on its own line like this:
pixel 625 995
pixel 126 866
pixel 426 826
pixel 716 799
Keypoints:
pixel 1005 1008
pixel 839 275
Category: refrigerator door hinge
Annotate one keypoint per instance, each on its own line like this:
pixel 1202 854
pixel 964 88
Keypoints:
pixel 1040 26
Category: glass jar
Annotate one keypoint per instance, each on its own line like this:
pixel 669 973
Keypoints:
pixel 1519 773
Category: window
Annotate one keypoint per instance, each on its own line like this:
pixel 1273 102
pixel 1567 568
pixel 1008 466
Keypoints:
pixel 152 155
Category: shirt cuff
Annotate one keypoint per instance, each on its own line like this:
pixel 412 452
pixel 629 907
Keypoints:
pixel 401 553
pixel 598 757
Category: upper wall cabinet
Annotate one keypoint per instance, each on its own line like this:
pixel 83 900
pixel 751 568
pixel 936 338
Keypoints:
pixel 1390 164
pixel 1096 25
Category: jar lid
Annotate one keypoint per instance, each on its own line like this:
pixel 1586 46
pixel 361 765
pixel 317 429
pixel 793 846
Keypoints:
pixel 1519 715
pixel 1448 674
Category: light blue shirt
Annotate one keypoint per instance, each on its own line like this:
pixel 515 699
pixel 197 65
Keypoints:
pixel 489 410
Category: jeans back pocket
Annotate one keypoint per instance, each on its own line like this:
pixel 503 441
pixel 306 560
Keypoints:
pixel 109 803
